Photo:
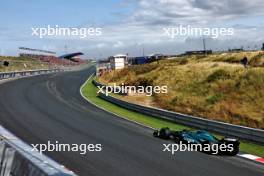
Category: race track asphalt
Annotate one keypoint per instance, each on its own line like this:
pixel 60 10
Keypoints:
pixel 50 108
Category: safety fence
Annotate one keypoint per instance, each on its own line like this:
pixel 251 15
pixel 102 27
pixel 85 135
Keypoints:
pixel 7 75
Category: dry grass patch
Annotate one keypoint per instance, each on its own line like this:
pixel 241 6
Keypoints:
pixel 214 87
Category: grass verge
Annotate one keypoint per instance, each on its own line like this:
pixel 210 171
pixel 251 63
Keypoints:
pixel 90 92
pixel 21 64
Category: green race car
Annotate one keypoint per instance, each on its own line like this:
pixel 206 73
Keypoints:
pixel 202 138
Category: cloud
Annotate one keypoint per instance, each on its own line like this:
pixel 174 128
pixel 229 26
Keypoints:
pixel 232 8
pixel 195 11
pixel 141 25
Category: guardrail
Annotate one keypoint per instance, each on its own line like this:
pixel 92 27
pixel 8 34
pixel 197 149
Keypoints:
pixel 226 129
pixel 17 158
pixel 6 75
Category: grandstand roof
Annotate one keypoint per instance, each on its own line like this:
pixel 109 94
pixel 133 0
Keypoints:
pixel 71 55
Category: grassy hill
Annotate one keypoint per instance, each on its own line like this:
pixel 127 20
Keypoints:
pixel 20 64
pixel 216 86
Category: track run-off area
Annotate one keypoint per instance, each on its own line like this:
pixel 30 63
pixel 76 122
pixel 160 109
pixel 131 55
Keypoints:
pixel 50 108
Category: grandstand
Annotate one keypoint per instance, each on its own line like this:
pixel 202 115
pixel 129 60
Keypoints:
pixel 74 57
pixel 47 56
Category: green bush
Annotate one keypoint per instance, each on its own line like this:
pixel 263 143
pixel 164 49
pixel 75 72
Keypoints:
pixel 141 81
pixel 218 75
pixel 214 98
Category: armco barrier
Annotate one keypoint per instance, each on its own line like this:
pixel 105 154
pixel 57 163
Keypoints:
pixel 17 159
pixel 226 129
pixel 6 75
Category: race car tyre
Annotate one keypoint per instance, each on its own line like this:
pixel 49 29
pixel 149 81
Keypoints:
pixel 156 133
pixel 234 152
pixel 165 133
pixel 177 140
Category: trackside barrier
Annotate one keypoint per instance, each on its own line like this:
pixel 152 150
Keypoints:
pixel 226 129
pixel 7 75
pixel 17 159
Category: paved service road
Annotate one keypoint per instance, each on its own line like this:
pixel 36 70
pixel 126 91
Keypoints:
pixel 49 107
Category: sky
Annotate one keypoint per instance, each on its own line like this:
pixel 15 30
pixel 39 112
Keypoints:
pixel 129 26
